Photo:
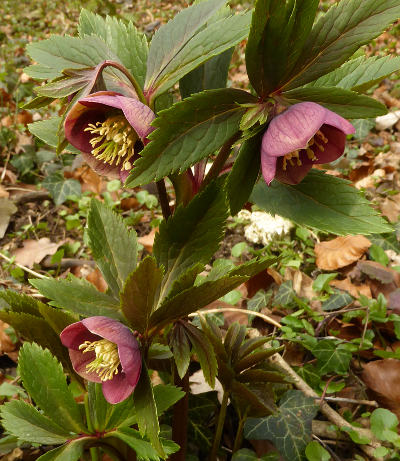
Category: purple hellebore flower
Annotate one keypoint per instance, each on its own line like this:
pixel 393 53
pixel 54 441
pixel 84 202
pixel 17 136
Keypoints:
pixel 109 129
pixel 102 350
pixel 304 135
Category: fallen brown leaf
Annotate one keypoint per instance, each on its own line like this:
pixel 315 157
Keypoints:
pixel 7 209
pixel 95 277
pixel 354 290
pixel 382 378
pixel 148 240
pixel 340 252
pixel 302 283
pixel 34 251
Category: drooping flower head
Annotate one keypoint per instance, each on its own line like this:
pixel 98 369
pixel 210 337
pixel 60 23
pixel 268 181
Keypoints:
pixel 104 351
pixel 304 135
pixel 109 129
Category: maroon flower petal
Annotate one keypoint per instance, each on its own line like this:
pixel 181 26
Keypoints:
pixel 292 175
pixel 79 361
pixel 268 166
pixel 335 146
pixel 112 330
pixel 117 389
pixel 76 334
pixel 131 363
pixel 138 114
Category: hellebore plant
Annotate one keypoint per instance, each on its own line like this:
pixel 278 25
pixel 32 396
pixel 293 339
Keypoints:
pixel 304 135
pixel 137 130
pixel 110 130
pixel 102 350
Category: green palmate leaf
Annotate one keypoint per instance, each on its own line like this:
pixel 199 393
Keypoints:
pixel 46 384
pixel 25 422
pixel 244 174
pixel 60 189
pixel 346 103
pixel 172 37
pixel 79 296
pixel 71 451
pixel 38 72
pixel 193 299
pixel 192 234
pixel 322 202
pixel 146 410
pixel 140 294
pixel 46 130
pixel 285 294
pixel 204 351
pixel 211 41
pixel 337 301
pixel 166 395
pixel 37 329
pixel 277 36
pixel 20 303
pixel 188 132
pixel 331 356
pixel 63 52
pixel 338 34
pixel 181 349
pixel 115 252
pixel 386 241
pixel 359 74
pixel 143 449
pixel 38 102
pixel 290 430
pixel 124 40
pixel 211 75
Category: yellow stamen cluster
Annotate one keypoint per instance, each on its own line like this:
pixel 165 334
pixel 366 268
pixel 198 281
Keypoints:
pixel 107 360
pixel 115 141
pixel 317 139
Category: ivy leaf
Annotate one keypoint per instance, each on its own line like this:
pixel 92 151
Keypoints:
pixel 346 103
pixel 60 188
pixel 139 294
pixel 115 252
pixel 285 294
pixel 332 357
pixel 188 132
pixel 290 430
pixel 173 36
pixel 46 384
pixel 338 34
pixel 337 301
pixel 322 202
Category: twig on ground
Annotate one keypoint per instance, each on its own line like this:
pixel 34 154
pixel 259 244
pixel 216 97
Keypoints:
pixel 370 403
pixel 26 269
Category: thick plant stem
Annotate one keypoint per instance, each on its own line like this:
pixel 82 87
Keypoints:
pixel 163 196
pixel 239 435
pixel 220 161
pixel 180 418
pixel 220 427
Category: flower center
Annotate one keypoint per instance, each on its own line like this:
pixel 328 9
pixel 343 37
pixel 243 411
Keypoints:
pixel 318 140
pixel 107 360
pixel 114 141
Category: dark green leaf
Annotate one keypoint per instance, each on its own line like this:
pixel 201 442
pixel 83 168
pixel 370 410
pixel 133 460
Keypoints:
pixel 337 301
pixel 331 357
pixel 146 410
pixel 173 36
pixel 214 39
pixel 60 188
pixel 181 349
pixel 79 296
pixel 244 174
pixel 25 422
pixel 46 384
pixel 123 39
pixel 142 447
pixel 71 451
pixel 290 430
pixel 359 74
pixel 323 202
pixel 339 33
pixel 46 130
pixel 204 351
pixel 114 251
pixel 188 132
pixel 191 235
pixel 285 294
pixel 315 452
pixel 346 103
pixel 166 395
pixel 140 294
pixel 253 399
